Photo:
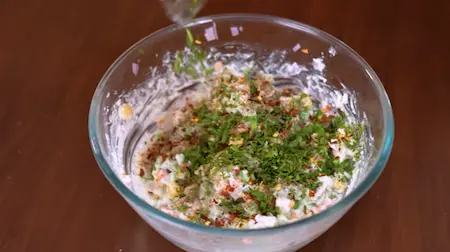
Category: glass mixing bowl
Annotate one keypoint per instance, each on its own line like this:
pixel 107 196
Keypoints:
pixel 113 141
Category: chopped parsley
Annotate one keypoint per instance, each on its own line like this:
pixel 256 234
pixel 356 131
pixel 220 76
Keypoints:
pixel 238 152
pixel 193 63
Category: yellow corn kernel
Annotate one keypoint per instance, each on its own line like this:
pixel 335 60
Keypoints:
pixel 259 98
pixel 278 187
pixel 180 174
pixel 307 102
pixel 207 223
pixel 338 185
pixel 275 134
pixel 126 112
pixel 236 142
pixel 198 42
pixel 173 190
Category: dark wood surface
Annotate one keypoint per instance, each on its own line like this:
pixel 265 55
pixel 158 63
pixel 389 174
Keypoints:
pixel 53 197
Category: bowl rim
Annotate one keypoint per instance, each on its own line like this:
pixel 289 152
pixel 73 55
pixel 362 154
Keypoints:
pixel 381 158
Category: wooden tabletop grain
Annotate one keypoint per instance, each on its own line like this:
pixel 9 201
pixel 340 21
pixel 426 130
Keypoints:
pixel 53 196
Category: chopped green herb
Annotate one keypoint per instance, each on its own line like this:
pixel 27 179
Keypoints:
pixel 248 145
pixel 189 39
pixel 297 204
pixel 194 61
pixel 266 202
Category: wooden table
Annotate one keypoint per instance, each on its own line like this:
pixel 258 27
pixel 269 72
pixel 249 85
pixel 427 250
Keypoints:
pixel 53 197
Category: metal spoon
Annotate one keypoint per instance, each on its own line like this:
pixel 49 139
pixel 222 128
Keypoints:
pixel 182 11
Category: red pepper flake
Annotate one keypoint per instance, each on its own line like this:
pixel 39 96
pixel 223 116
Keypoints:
pixel 175 144
pixel 250 182
pixel 169 171
pixel 288 91
pixel 311 118
pixel 184 166
pixel 223 146
pixel 233 216
pixel 327 118
pixel 215 201
pixel 337 157
pixel 229 188
pixel 287 112
pixel 141 173
pixel 311 193
pixel 204 217
pixel 189 104
pixel 321 174
pixel 219 223
pixel 193 140
pixel 225 194
pixel 247 196
pixel 164 157
pixel 326 108
pixel 283 132
pixel 295 112
pixel 270 102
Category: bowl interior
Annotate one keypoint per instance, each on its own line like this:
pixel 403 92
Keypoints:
pixel 270 40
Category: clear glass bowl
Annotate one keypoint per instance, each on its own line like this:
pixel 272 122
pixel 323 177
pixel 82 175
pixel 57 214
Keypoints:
pixel 264 34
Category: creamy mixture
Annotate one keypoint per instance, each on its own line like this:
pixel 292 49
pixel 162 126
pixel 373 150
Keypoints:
pixel 246 155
